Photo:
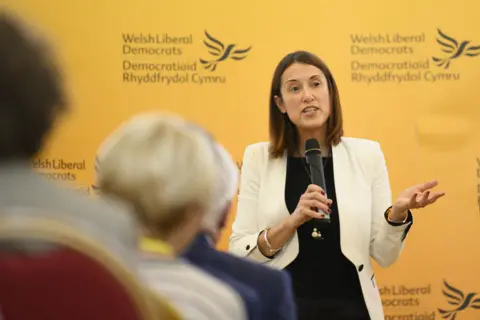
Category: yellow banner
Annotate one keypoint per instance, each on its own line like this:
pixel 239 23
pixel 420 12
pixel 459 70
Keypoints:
pixel 408 78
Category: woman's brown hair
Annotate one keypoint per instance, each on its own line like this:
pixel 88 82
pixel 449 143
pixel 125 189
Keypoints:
pixel 283 133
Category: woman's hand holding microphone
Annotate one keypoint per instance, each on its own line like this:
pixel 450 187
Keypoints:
pixel 273 239
pixel 312 199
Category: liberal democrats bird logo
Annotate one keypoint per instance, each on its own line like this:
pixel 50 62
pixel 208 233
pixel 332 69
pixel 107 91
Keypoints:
pixel 221 52
pixel 459 300
pixel 454 50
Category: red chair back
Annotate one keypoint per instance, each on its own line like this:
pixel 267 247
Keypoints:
pixel 63 284
pixel 76 280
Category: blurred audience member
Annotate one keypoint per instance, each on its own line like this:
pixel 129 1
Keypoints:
pixel 272 288
pixel 165 174
pixel 31 99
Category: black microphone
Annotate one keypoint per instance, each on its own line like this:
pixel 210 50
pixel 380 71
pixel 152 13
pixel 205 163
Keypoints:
pixel 313 156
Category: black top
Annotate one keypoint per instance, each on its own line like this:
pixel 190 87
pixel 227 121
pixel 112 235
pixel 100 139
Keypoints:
pixel 325 282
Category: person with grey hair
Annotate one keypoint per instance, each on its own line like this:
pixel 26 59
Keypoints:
pixel 164 174
pixel 272 290
pixel 32 98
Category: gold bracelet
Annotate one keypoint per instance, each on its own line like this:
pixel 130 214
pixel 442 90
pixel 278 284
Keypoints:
pixel 388 216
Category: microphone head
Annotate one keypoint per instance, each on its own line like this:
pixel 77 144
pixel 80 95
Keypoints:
pixel 312 147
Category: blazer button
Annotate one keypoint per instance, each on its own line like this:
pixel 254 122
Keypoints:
pixel 248 247
pixel 360 268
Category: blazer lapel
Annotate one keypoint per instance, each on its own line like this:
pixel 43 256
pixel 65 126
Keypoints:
pixel 349 201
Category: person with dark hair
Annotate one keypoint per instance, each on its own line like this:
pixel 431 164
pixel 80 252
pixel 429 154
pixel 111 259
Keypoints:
pixel 31 92
pixel 278 220
pixel 32 98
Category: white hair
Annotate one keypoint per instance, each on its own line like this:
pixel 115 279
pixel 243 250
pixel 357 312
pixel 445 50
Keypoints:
pixel 227 176
pixel 158 166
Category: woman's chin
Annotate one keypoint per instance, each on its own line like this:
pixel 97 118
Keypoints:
pixel 311 125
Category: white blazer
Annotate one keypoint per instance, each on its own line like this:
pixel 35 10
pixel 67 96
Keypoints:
pixel 363 195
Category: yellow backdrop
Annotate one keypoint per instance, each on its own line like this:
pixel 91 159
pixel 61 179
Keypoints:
pixel 406 78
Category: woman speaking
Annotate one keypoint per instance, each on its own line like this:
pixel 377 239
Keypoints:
pixel 280 211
